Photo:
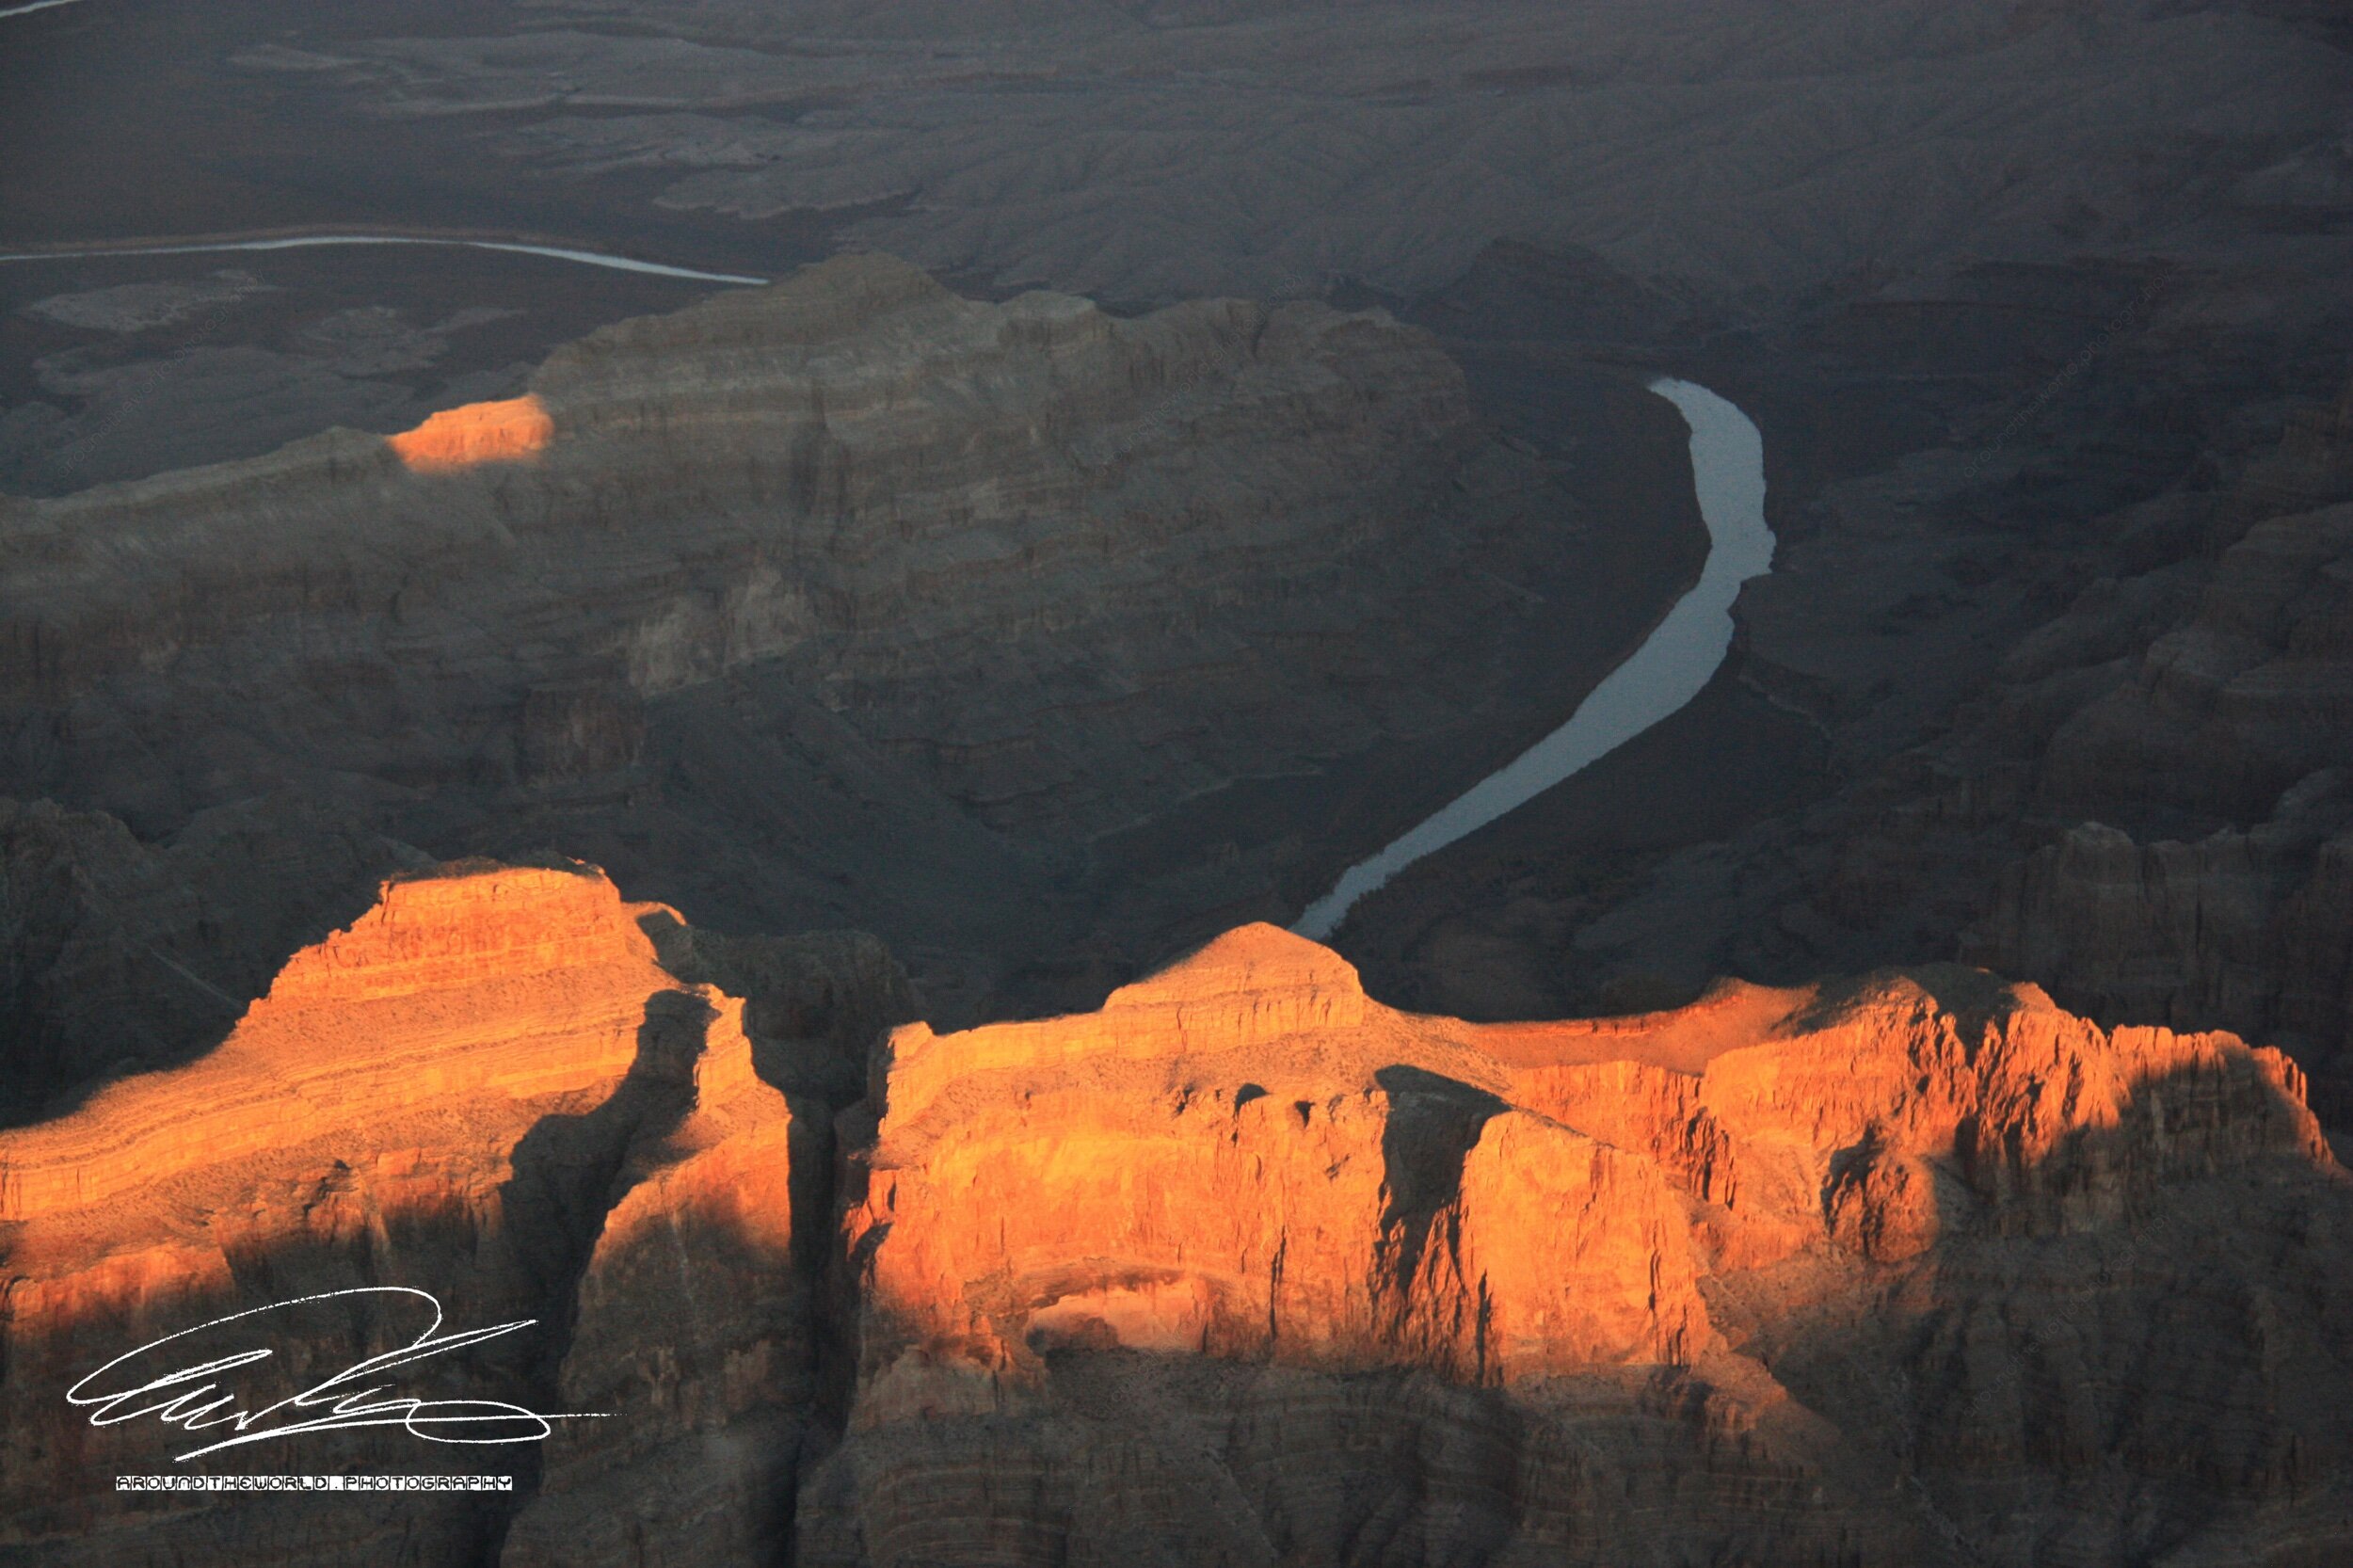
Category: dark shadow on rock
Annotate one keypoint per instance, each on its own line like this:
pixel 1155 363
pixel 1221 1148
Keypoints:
pixel 1434 1124
pixel 119 957
pixel 696 1340
pixel 518 1258
pixel 568 1174
pixel 816 1004
pixel 2127 1347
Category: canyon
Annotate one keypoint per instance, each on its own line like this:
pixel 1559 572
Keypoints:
pixel 1239 1260
pixel 842 602
pixel 1673 666
pixel 1244 1266
pixel 2109 764
pixel 737 837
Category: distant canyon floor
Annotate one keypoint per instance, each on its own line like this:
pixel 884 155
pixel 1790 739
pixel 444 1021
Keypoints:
pixel 689 846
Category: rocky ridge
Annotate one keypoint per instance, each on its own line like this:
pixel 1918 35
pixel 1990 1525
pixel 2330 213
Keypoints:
pixel 2046 678
pixel 1244 1268
pixel 1246 1159
pixel 845 600
pixel 487 1089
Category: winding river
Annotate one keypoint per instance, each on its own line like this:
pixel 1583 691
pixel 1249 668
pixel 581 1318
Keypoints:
pixel 1666 672
pixel 305 242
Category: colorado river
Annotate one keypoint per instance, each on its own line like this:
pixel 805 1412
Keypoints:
pixel 1666 672
pixel 586 258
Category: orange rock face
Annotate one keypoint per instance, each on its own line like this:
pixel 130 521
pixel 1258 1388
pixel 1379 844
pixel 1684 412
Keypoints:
pixel 501 432
pixel 509 986
pixel 1245 1261
pixel 694 1329
pixel 1246 1157
pixel 489 1088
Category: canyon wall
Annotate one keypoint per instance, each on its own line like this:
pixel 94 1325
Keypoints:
pixel 1257 1270
pixel 486 1101
pixel 1241 1268
pixel 2048 674
pixel 841 602
pixel 1244 1266
pixel 2225 742
pixel 856 471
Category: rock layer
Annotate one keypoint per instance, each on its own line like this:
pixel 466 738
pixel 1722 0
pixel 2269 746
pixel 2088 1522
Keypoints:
pixel 855 462
pixel 843 601
pixel 2230 731
pixel 1245 1268
pixel 487 1091
pixel 509 430
pixel 1056 1227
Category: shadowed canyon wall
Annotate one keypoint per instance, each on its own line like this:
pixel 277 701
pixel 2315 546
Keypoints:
pixel 841 602
pixel 1047 641
pixel 2046 678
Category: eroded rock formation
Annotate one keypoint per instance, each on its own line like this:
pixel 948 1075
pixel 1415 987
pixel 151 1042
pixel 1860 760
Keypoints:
pixel 2226 744
pixel 490 1091
pixel 2053 684
pixel 509 430
pixel 1778 1206
pixel 1244 1268
pixel 846 600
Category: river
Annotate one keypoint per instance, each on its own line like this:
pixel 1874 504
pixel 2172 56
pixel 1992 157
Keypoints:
pixel 305 242
pixel 1667 671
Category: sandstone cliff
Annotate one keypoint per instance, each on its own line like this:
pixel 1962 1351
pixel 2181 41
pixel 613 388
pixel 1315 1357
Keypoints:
pixel 1179 1272
pixel 1244 1268
pixel 486 1089
pixel 116 954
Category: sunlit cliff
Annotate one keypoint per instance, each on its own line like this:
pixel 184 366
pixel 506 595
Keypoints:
pixel 508 431
pixel 1244 1227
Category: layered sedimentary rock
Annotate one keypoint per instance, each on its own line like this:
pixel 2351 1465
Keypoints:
pixel 856 466
pixel 1093 1257
pixel 843 599
pixel 2144 805
pixel 1245 1157
pixel 508 431
pixel 115 953
pixel 517 985
pixel 693 1328
pixel 487 1100
pixel 2225 745
pixel 2244 699
pixel 2052 682
pixel 1244 1268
